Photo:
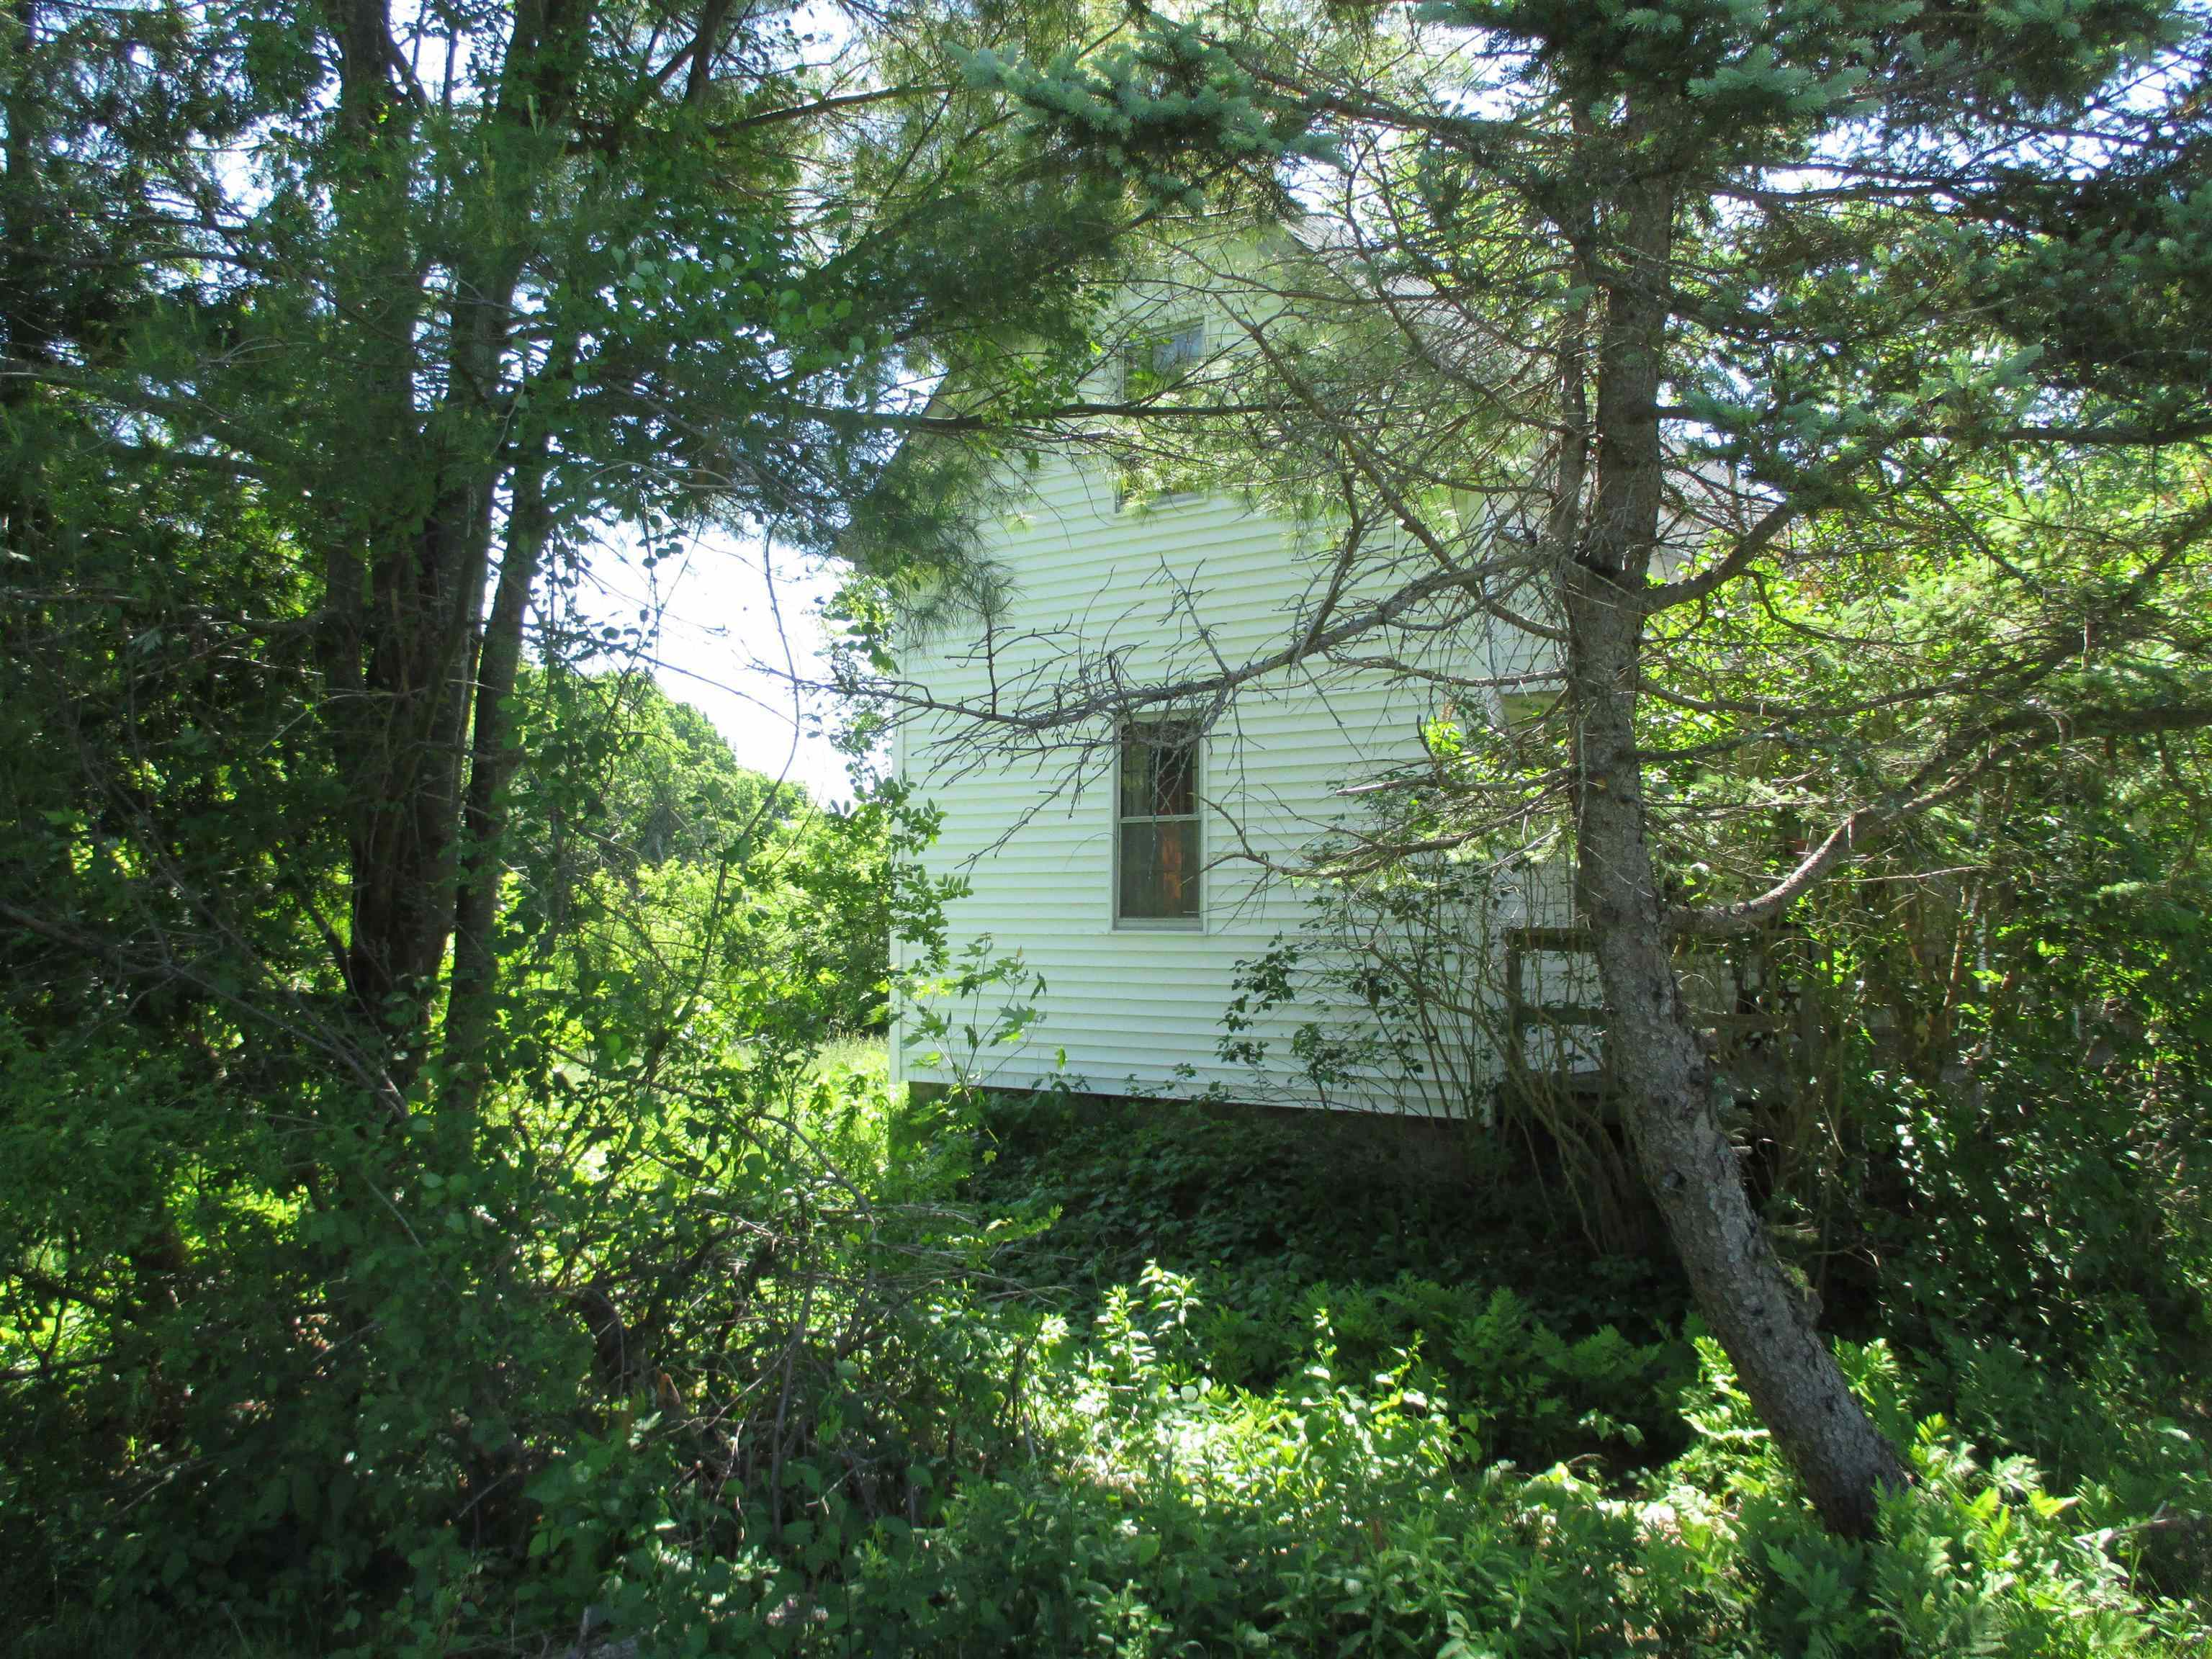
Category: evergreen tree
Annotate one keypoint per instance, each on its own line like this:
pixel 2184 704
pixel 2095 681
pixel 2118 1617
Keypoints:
pixel 432 298
pixel 1612 323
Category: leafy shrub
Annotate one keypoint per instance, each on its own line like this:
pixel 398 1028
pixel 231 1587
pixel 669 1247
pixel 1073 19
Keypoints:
pixel 291 1351
pixel 1283 1219
pixel 1166 1514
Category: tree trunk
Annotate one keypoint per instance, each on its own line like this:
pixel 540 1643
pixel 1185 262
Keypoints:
pixel 26 290
pixel 1662 1071
pixel 469 1002
pixel 407 591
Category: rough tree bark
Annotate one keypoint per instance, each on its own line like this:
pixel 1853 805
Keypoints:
pixel 1665 1079
pixel 493 759
pixel 26 321
pixel 405 648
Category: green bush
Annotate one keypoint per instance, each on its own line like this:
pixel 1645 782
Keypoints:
pixel 920 1464
pixel 709 1341
pixel 1163 1514
pixel 1283 1219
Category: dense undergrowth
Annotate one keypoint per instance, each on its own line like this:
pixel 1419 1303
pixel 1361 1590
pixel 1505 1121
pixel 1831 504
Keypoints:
pixel 713 1343
pixel 442 1209
pixel 1163 1380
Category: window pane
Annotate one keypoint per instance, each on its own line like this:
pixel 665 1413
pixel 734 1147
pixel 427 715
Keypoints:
pixel 1179 349
pixel 1160 772
pixel 1175 793
pixel 1151 365
pixel 1136 766
pixel 1159 870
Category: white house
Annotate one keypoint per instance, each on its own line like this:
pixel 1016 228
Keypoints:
pixel 1130 874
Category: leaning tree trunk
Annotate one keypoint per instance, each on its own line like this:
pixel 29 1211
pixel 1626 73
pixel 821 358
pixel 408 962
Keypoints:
pixel 1665 1079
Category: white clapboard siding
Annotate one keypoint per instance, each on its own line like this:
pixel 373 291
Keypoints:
pixel 1140 1010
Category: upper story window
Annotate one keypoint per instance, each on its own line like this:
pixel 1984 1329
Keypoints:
pixel 1158 360
pixel 1155 829
pixel 1156 472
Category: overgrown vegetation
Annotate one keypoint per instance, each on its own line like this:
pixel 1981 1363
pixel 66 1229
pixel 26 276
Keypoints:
pixel 1801 393
pixel 786 1364
pixel 452 1201
pixel 1249 1455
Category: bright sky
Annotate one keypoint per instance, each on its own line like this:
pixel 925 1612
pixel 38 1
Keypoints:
pixel 728 629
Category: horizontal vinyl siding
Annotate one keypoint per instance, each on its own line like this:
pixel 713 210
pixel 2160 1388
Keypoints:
pixel 1132 1006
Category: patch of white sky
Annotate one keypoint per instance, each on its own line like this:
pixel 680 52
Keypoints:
pixel 442 51
pixel 734 626
pixel 729 623
pixel 726 623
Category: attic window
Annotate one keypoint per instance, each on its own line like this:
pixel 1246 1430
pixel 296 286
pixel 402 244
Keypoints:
pixel 1156 828
pixel 1157 473
pixel 1162 358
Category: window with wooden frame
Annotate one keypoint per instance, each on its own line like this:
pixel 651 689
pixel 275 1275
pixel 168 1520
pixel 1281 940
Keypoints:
pixel 1156 855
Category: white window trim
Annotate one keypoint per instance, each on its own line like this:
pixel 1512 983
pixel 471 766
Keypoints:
pixel 1117 922
pixel 1129 506
pixel 1177 498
